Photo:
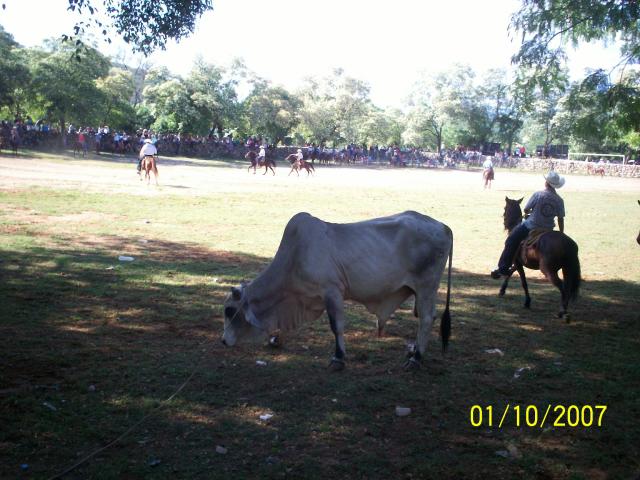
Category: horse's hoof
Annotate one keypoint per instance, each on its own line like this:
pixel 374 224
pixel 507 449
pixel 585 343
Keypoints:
pixel 567 318
pixel 561 314
pixel 527 303
pixel 411 365
pixel 501 294
pixel 336 365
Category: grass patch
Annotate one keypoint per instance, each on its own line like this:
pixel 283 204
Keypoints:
pixel 91 345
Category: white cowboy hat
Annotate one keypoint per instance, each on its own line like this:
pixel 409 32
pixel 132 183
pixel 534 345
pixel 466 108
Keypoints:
pixel 147 140
pixel 553 179
pixel 299 150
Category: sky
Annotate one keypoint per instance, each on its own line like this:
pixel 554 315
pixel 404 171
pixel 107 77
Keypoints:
pixel 387 44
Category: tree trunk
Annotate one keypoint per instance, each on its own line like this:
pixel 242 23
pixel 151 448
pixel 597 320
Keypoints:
pixel 62 132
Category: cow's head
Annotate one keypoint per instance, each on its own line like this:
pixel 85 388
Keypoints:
pixel 240 323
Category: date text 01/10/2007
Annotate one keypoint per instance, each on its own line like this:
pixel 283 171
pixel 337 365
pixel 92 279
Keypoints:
pixel 532 416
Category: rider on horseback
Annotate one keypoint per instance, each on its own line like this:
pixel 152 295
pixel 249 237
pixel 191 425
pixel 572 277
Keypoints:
pixel 262 155
pixel 148 150
pixel 543 206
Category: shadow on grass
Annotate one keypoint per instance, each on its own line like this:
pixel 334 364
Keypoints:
pixel 91 345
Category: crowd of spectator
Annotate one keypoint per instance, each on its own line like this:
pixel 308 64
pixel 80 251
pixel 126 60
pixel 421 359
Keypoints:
pixel 104 139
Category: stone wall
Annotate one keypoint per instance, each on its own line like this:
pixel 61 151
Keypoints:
pixel 578 167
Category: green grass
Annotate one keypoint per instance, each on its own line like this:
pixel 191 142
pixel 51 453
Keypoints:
pixel 105 346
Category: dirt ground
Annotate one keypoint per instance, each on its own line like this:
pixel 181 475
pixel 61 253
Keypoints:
pixel 197 177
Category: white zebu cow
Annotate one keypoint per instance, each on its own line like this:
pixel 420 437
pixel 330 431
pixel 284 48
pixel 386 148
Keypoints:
pixel 379 263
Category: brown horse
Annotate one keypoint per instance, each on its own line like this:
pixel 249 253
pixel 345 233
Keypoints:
pixel 488 176
pixel 595 170
pixel 266 163
pixel 148 165
pixel 298 165
pixel 551 252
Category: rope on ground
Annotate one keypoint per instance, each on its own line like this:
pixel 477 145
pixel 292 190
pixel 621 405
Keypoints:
pixel 139 422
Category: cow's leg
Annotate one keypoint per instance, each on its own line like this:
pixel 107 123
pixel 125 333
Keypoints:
pixel 335 310
pixel 426 309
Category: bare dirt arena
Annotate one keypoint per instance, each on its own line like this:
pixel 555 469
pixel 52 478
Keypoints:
pixel 193 177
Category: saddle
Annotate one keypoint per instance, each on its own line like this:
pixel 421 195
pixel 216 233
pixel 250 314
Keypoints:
pixel 529 245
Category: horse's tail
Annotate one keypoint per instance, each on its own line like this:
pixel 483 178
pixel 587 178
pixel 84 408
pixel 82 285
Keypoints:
pixel 571 269
pixel 445 321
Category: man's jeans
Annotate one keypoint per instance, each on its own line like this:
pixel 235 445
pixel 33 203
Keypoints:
pixel 511 244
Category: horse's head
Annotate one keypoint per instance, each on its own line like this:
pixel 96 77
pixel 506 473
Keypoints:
pixel 512 213
pixel 250 155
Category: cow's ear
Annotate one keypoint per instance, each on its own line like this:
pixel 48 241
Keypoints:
pixel 520 201
pixel 251 318
pixel 236 293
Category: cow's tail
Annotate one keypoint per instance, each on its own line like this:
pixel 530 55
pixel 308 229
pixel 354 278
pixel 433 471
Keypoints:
pixel 445 321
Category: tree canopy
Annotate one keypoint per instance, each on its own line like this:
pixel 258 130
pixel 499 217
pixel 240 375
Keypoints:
pixel 146 25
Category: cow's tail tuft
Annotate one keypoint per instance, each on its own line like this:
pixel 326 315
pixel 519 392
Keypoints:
pixel 445 321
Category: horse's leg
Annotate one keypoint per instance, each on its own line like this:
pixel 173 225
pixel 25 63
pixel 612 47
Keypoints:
pixel 505 283
pixel 553 277
pixel 290 171
pixel 525 287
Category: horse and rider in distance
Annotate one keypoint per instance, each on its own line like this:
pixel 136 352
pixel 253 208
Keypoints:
pixel 147 160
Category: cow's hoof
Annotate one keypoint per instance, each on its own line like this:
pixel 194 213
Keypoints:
pixel 336 365
pixel 561 314
pixel 412 364
pixel 567 317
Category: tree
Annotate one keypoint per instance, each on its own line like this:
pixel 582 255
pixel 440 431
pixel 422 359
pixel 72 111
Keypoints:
pixel 170 106
pixel 117 89
pixel 548 26
pixel 333 108
pixel 546 121
pixel 67 89
pixel 595 121
pixel 15 74
pixel 144 24
pixel 542 23
pixel 505 109
pixel 212 94
pixel 440 105
pixel 382 127
pixel 272 112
